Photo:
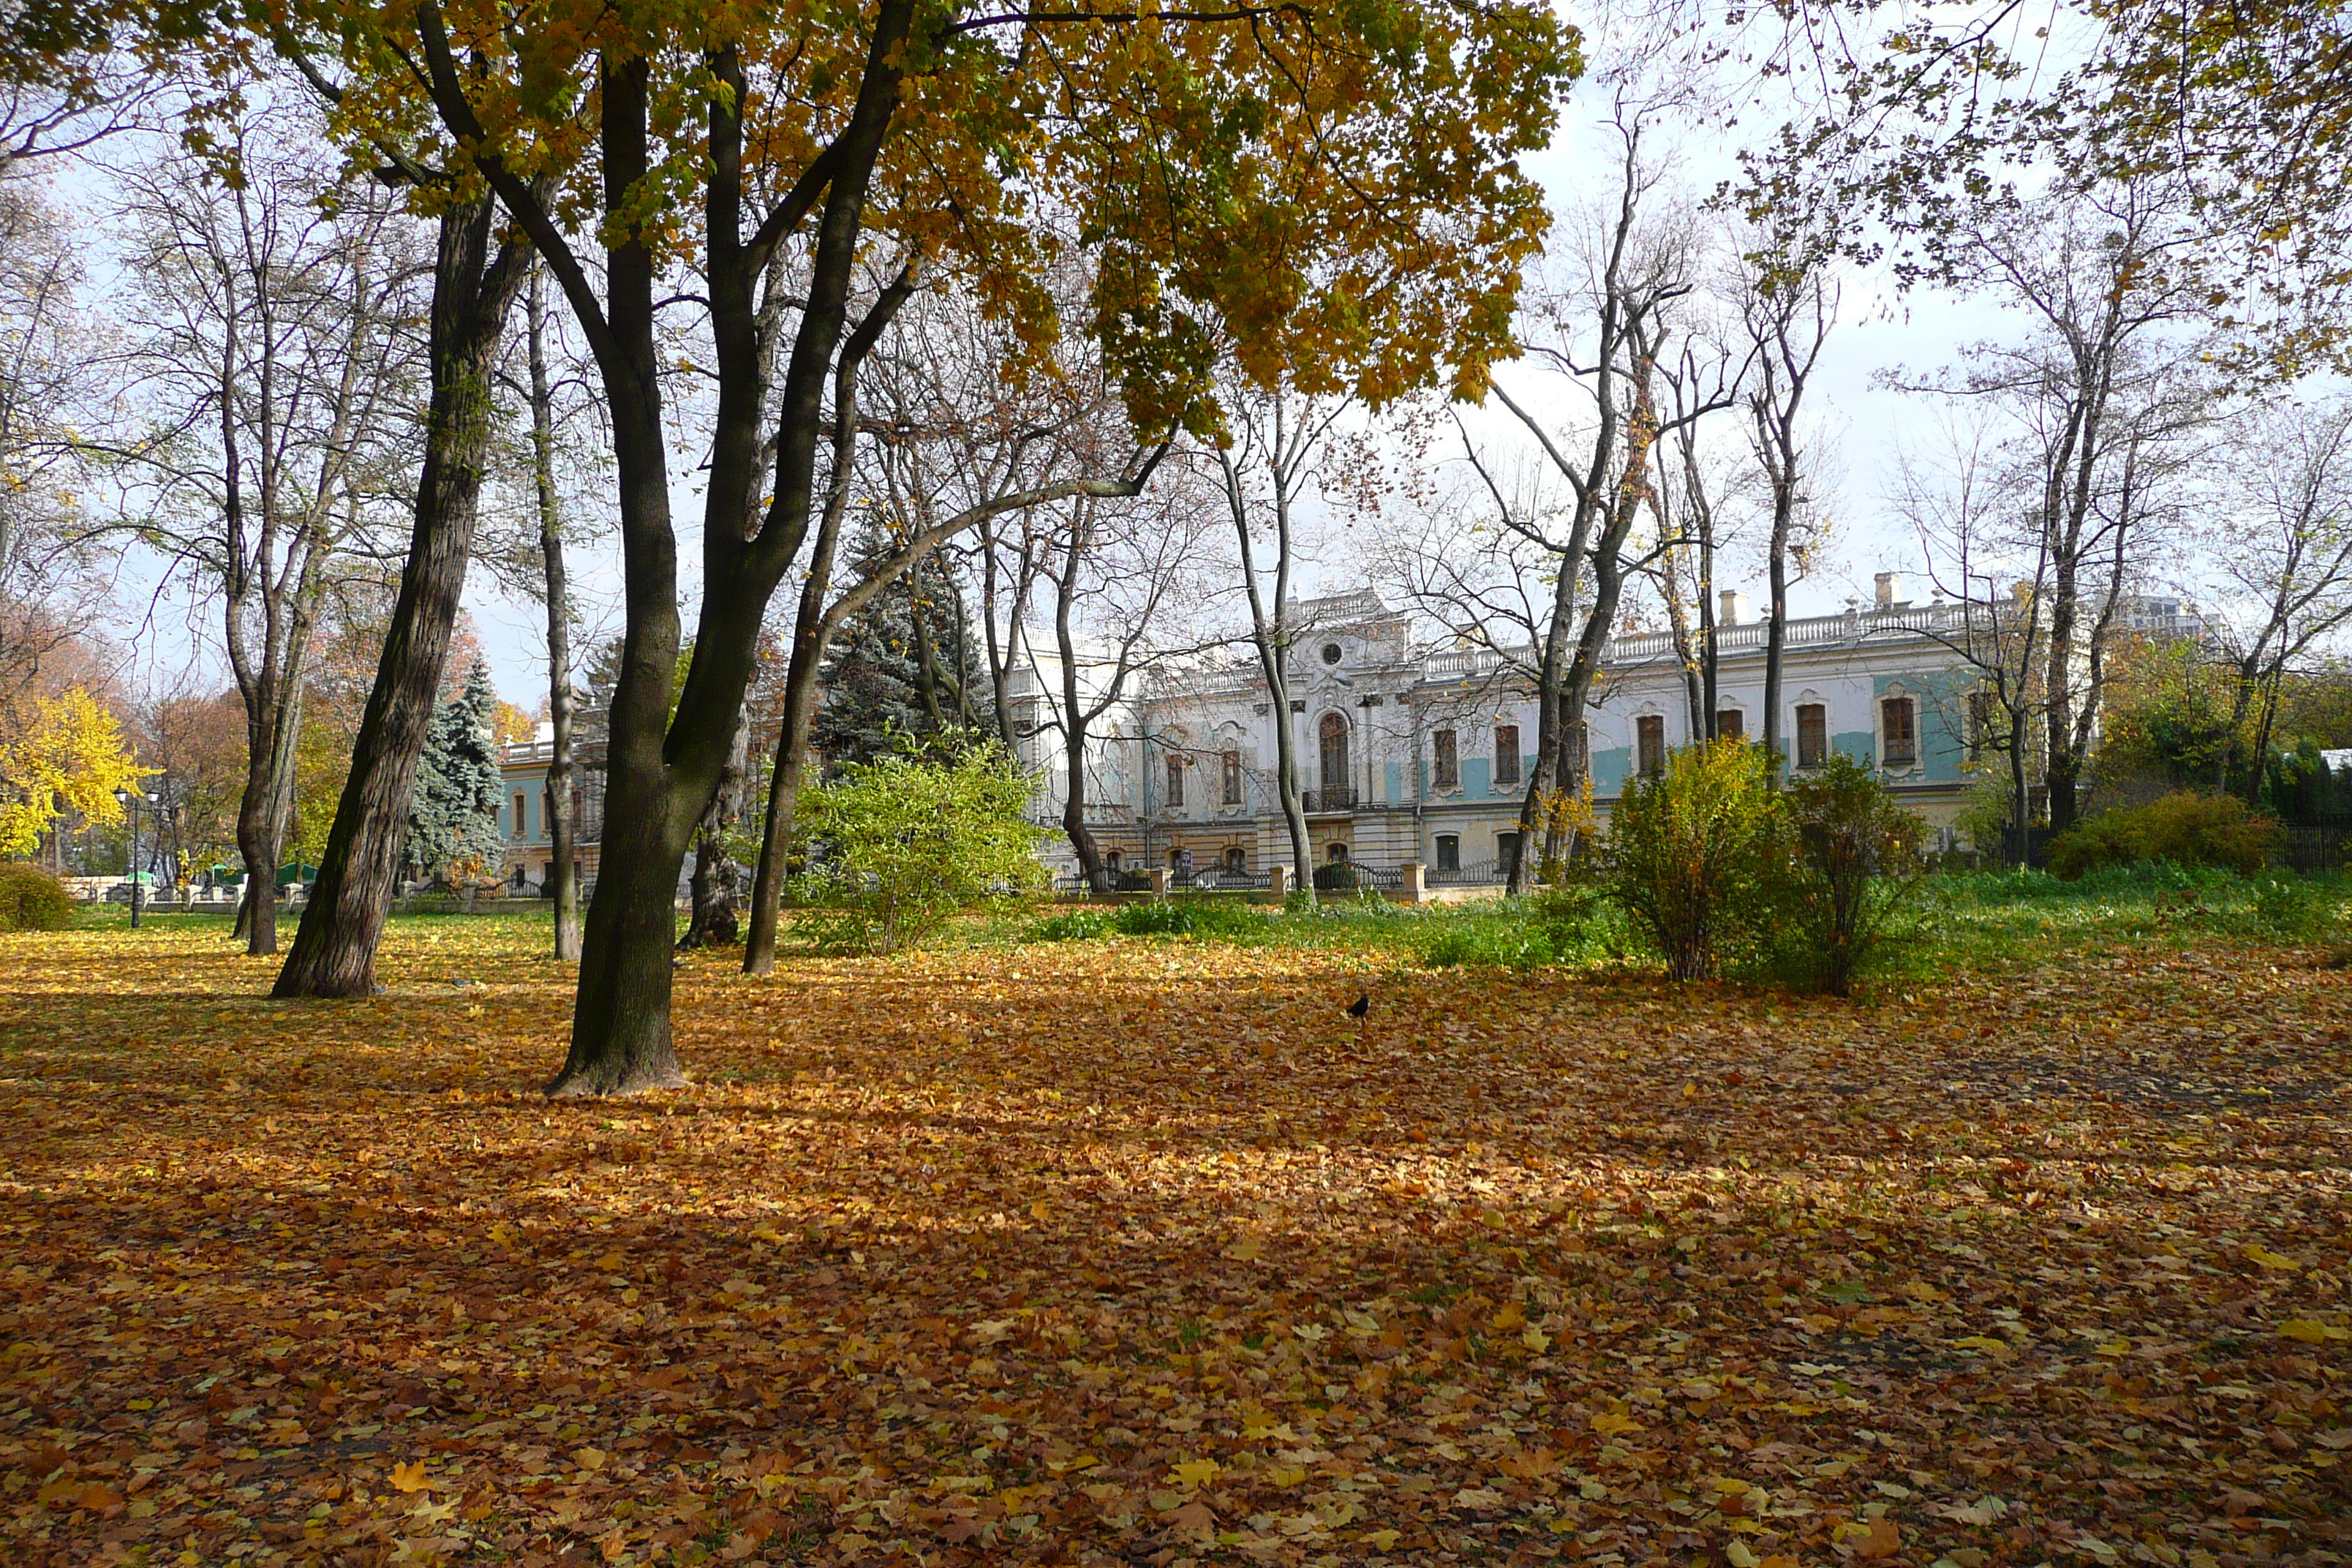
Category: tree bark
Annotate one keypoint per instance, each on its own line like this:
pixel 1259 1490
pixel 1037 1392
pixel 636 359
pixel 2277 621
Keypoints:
pixel 562 828
pixel 711 921
pixel 334 948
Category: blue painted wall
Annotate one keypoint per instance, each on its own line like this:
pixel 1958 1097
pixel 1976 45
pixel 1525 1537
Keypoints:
pixel 1611 768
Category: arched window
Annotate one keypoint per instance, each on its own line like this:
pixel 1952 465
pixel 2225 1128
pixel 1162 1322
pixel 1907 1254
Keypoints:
pixel 1333 734
pixel 1236 859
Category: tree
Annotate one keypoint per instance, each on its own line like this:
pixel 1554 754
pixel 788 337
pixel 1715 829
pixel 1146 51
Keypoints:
pixel 906 666
pixel 899 844
pixel 68 762
pixel 913 141
pixel 1119 573
pixel 273 351
pixel 476 271
pixel 1605 332
pixel 1269 466
pixel 50 350
pixel 968 433
pixel 2098 406
pixel 1789 302
pixel 2280 539
pixel 195 742
pixel 453 821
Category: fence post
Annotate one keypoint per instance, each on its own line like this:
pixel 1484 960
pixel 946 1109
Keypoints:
pixel 1160 881
pixel 1414 890
pixel 1279 886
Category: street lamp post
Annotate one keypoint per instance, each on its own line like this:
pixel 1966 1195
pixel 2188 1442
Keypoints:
pixel 131 797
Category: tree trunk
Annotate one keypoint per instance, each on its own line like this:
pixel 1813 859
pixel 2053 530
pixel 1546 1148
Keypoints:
pixel 1776 641
pixel 562 829
pixel 334 949
pixel 712 922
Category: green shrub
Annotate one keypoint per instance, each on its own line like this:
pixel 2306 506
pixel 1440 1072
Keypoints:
pixel 2187 829
pixel 1071 925
pixel 1337 877
pixel 1691 854
pixel 1221 920
pixel 896 846
pixel 1496 944
pixel 2286 905
pixel 32 899
pixel 1853 863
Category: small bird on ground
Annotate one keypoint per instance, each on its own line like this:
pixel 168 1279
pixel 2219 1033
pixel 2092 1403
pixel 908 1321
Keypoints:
pixel 1360 1005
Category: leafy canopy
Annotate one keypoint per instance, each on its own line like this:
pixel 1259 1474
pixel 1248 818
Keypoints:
pixel 68 762
pixel 898 845
pixel 1328 188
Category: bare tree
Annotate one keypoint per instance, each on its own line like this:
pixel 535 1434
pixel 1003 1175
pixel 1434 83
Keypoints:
pixel 1602 331
pixel 951 444
pixel 1789 303
pixel 1273 463
pixel 1121 574
pixel 1958 501
pixel 2102 398
pixel 275 350
pixel 2281 544
pixel 50 347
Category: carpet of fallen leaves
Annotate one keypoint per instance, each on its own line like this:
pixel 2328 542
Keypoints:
pixel 1147 1253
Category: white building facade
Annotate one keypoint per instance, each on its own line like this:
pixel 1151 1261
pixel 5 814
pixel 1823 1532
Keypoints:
pixel 1419 755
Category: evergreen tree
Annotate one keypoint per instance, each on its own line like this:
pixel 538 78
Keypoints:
pixel 453 817
pixel 908 665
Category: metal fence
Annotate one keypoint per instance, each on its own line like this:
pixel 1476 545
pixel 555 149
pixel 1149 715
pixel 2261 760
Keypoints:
pixel 1336 798
pixel 2319 844
pixel 1493 873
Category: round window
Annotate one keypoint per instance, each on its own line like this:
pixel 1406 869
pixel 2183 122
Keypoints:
pixel 1330 653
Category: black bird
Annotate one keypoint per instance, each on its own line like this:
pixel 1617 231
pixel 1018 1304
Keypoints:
pixel 1360 1005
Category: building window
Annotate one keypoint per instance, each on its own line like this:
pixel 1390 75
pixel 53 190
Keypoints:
pixel 1449 852
pixel 1110 862
pixel 1330 653
pixel 1507 754
pixel 1236 860
pixel 1339 854
pixel 1730 724
pixel 1175 782
pixel 1233 776
pixel 1333 734
pixel 1445 762
pixel 1650 745
pixel 522 816
pixel 1813 734
pixel 1506 850
pixel 1899 723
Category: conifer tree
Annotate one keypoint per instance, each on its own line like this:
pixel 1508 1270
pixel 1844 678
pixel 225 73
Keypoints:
pixel 908 665
pixel 453 817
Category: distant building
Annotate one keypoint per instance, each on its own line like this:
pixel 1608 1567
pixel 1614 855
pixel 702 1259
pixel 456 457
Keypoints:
pixel 1412 754
pixel 523 812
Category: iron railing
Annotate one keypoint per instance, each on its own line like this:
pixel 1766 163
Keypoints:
pixel 1490 873
pixel 1330 798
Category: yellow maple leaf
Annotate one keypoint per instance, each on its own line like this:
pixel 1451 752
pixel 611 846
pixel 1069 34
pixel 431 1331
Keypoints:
pixel 1609 1423
pixel 2304 1330
pixel 1196 1472
pixel 410 1478
pixel 2000 1350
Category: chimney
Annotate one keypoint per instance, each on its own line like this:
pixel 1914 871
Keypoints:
pixel 1889 585
pixel 1731 607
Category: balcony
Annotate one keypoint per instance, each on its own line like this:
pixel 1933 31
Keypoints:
pixel 1329 800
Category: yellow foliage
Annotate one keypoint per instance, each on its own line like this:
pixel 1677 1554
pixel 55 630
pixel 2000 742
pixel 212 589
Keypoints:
pixel 69 761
